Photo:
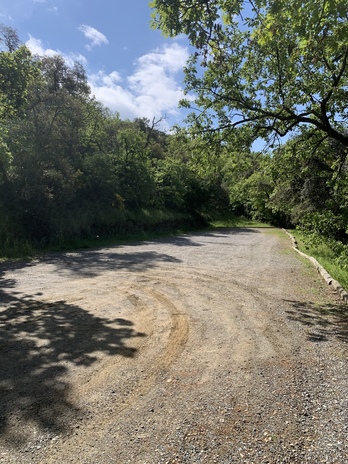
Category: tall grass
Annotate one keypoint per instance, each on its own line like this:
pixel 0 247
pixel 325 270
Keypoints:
pixel 92 229
pixel 230 220
pixel 13 249
pixel 325 253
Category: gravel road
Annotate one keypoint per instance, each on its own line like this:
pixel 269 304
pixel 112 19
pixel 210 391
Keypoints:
pixel 216 347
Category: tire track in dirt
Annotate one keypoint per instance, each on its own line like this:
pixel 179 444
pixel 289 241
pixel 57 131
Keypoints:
pixel 255 316
pixel 179 331
pixel 168 348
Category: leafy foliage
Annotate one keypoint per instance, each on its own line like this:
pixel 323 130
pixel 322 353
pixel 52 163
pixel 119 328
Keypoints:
pixel 70 169
pixel 271 65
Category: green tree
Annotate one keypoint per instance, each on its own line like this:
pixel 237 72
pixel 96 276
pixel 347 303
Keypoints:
pixel 132 167
pixel 117 160
pixel 310 184
pixel 45 145
pixel 190 177
pixel 18 69
pixel 247 177
pixel 273 65
pixel 17 72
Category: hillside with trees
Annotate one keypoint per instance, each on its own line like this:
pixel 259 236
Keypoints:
pixel 72 170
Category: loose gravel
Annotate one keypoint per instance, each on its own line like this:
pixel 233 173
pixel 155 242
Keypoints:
pixel 221 347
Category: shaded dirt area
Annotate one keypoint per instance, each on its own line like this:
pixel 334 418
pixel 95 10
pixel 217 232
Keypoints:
pixel 223 347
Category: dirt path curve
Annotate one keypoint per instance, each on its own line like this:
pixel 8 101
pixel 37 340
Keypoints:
pixel 218 347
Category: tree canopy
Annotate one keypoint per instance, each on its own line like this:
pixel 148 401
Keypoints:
pixel 272 65
pixel 70 169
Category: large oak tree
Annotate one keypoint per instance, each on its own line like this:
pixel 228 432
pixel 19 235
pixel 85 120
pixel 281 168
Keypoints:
pixel 273 65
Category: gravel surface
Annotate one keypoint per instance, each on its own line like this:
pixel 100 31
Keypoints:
pixel 219 347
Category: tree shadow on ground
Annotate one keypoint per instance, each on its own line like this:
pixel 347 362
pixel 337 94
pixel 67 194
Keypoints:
pixel 323 321
pixel 226 233
pixel 38 343
pixel 178 240
pixel 92 263
pixel 223 231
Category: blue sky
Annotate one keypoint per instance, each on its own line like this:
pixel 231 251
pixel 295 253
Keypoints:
pixel 131 69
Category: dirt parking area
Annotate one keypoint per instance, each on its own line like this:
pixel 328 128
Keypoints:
pixel 216 347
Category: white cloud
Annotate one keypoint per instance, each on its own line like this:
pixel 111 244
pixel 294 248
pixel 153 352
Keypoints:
pixel 39 1
pixel 37 48
pixel 151 91
pixel 3 15
pixel 96 38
